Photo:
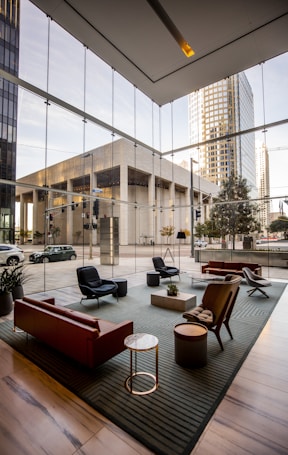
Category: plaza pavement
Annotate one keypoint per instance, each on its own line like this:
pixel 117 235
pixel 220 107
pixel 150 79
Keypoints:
pixel 134 262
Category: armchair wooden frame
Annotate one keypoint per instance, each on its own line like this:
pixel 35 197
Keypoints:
pixel 217 305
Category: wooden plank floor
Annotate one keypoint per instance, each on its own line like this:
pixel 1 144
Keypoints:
pixel 253 417
pixel 39 416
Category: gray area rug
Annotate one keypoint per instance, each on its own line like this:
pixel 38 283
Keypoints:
pixel 170 420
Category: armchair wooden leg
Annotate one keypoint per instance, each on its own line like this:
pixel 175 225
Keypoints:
pixel 219 340
pixel 226 323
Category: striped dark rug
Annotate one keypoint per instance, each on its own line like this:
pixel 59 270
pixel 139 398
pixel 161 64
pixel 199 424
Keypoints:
pixel 170 420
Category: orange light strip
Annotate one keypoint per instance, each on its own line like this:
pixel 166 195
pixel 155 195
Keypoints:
pixel 171 27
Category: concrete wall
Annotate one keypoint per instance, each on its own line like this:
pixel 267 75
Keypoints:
pixel 265 258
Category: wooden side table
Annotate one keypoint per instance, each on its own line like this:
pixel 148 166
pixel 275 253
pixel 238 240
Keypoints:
pixel 190 342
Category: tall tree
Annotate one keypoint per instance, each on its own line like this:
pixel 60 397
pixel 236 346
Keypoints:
pixel 232 217
pixel 280 225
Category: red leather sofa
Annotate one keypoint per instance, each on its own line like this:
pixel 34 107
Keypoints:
pixel 224 268
pixel 86 339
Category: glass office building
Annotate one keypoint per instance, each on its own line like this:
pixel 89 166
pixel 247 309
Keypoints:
pixel 220 110
pixel 9 61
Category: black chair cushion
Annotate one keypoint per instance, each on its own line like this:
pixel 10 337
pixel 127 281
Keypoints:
pixel 94 283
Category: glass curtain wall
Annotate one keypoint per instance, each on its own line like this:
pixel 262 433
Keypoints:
pixel 90 146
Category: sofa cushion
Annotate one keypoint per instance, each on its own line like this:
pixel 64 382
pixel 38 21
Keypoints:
pixel 75 315
pixel 215 264
pixel 200 314
pixel 232 266
pixel 250 266
pixel 213 271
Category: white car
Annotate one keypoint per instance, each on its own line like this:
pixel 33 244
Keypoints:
pixel 10 254
pixel 200 243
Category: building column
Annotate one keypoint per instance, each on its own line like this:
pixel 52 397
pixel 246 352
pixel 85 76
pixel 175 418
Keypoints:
pixel 124 218
pixel 35 215
pixel 93 220
pixel 188 209
pixel 172 211
pixel 69 226
pixel 22 217
pixel 151 202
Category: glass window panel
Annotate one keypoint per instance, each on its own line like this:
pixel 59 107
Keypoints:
pixel 123 105
pixel 95 136
pixel 66 67
pixel 30 134
pixel 33 45
pixel 65 134
pixel 166 128
pixel 180 123
pixel 98 97
pixel 144 118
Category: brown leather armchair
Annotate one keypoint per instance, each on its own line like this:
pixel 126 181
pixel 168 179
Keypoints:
pixel 217 305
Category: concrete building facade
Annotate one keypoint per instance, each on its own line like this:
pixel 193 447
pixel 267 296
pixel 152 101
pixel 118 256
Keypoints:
pixel 143 190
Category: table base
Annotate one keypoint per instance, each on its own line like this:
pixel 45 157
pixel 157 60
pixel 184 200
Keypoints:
pixel 129 383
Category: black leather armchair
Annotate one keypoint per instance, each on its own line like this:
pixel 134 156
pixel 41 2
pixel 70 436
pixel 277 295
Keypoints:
pixel 92 286
pixel 164 270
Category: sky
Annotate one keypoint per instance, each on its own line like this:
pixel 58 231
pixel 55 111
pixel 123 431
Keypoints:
pixel 67 136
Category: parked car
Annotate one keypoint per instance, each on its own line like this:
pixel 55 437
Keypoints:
pixel 54 253
pixel 200 243
pixel 10 254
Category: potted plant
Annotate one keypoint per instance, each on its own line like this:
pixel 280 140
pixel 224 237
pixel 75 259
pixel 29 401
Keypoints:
pixel 172 289
pixel 167 231
pixel 6 299
pixel 17 277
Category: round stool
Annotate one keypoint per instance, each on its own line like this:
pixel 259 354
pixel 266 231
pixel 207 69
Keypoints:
pixel 122 287
pixel 153 278
pixel 190 342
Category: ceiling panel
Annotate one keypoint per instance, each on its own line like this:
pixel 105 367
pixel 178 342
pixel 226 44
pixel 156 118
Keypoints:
pixel 228 36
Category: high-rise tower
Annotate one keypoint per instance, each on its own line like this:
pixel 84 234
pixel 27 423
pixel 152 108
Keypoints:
pixel 263 185
pixel 9 60
pixel 219 110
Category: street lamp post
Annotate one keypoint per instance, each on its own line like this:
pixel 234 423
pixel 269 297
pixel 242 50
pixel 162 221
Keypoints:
pixel 90 207
pixel 192 206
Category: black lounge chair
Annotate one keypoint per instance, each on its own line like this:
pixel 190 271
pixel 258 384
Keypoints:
pixel 92 286
pixel 164 270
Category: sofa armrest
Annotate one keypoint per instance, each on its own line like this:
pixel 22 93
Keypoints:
pixel 111 342
pixel 258 271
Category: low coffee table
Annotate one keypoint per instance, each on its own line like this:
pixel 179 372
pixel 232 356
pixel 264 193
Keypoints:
pixel 180 302
pixel 198 277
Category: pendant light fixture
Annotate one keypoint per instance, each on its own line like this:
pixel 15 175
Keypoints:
pixel 171 27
